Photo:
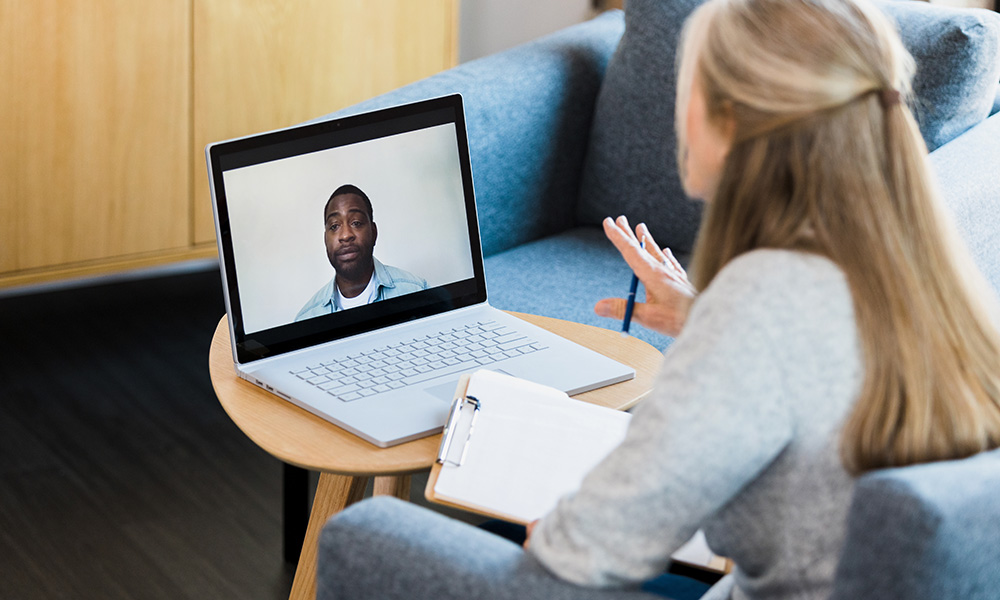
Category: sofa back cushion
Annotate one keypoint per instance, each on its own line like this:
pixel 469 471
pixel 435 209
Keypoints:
pixel 958 65
pixel 631 165
pixel 924 532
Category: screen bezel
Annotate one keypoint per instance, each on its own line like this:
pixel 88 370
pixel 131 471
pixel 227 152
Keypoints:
pixel 323 135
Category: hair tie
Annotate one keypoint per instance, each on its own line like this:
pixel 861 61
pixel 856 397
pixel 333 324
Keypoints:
pixel 889 97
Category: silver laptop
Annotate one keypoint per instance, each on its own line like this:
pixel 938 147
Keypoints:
pixel 353 273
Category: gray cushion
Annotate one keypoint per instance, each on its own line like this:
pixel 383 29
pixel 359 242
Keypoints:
pixel 631 163
pixel 924 532
pixel 958 65
pixel 563 276
pixel 421 555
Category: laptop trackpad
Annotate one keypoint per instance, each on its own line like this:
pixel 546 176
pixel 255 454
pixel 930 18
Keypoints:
pixel 443 391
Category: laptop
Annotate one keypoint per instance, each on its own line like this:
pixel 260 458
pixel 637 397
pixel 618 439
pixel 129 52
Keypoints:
pixel 353 273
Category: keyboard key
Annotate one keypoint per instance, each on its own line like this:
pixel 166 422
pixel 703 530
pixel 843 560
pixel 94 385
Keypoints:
pixel 514 344
pixel 349 397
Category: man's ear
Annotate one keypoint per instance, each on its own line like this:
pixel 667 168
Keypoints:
pixel 374 233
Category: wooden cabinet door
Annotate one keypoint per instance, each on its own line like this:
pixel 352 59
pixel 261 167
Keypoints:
pixel 95 130
pixel 265 64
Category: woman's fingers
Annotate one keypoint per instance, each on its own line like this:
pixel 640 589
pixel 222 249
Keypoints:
pixel 641 262
pixel 613 308
pixel 651 246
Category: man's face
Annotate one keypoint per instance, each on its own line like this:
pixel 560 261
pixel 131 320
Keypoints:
pixel 350 236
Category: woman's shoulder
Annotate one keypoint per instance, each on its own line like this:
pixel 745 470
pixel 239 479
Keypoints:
pixel 771 281
pixel 774 265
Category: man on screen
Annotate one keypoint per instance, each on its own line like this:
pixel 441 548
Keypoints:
pixel 360 278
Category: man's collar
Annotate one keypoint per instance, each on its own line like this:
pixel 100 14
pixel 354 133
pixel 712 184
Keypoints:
pixel 384 279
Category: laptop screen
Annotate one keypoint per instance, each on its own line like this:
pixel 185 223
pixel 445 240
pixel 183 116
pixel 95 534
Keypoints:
pixel 337 228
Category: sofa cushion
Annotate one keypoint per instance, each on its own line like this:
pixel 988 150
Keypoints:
pixel 958 65
pixel 631 166
pixel 924 532
pixel 966 172
pixel 563 276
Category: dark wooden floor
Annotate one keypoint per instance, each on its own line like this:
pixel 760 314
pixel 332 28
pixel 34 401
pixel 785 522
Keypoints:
pixel 120 474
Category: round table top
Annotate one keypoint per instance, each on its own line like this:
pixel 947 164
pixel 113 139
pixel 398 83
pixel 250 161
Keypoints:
pixel 299 437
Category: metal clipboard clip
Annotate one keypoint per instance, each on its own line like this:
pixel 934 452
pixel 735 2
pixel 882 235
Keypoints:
pixel 454 420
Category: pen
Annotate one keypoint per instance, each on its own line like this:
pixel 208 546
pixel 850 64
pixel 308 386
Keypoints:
pixel 630 305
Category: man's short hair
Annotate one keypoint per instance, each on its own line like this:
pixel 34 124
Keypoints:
pixel 348 188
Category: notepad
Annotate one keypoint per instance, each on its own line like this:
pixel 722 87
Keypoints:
pixel 529 445
pixel 512 448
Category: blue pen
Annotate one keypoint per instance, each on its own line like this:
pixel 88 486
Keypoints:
pixel 630 305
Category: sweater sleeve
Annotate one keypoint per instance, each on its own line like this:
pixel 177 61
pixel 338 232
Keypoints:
pixel 717 418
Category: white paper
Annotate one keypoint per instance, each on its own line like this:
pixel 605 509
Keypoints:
pixel 531 445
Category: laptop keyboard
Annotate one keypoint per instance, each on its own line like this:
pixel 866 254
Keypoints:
pixel 458 350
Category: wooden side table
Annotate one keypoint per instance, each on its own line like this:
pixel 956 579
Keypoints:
pixel 346 462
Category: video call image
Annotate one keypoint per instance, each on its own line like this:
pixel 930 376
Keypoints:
pixel 332 230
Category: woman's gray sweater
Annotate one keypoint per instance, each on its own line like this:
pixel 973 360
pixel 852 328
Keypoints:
pixel 740 437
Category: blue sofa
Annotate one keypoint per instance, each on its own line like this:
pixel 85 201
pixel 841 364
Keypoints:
pixel 576 126
pixel 542 121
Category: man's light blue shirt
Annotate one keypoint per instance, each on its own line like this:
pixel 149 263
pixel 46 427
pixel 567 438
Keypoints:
pixel 392 282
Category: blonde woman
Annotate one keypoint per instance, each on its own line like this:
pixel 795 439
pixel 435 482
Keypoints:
pixel 841 326
pixel 834 324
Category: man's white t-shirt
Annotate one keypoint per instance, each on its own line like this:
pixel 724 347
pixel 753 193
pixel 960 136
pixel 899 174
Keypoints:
pixel 365 297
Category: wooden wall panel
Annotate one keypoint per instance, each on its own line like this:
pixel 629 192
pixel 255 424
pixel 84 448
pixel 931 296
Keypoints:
pixel 266 64
pixel 95 123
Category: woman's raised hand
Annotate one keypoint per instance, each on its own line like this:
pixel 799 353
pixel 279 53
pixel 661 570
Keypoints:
pixel 669 294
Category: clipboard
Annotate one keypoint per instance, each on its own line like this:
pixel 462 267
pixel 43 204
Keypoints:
pixel 451 439
pixel 511 448
pixel 475 414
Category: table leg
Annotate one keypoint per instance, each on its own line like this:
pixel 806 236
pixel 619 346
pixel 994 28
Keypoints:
pixel 334 493
pixel 393 485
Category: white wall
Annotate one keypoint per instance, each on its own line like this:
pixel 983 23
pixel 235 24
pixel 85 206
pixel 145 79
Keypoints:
pixel 489 26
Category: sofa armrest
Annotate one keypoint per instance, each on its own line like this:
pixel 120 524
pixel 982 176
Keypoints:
pixel 924 532
pixel 966 170
pixel 528 113
pixel 389 549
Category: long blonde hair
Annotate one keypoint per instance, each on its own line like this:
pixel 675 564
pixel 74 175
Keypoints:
pixel 827 160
